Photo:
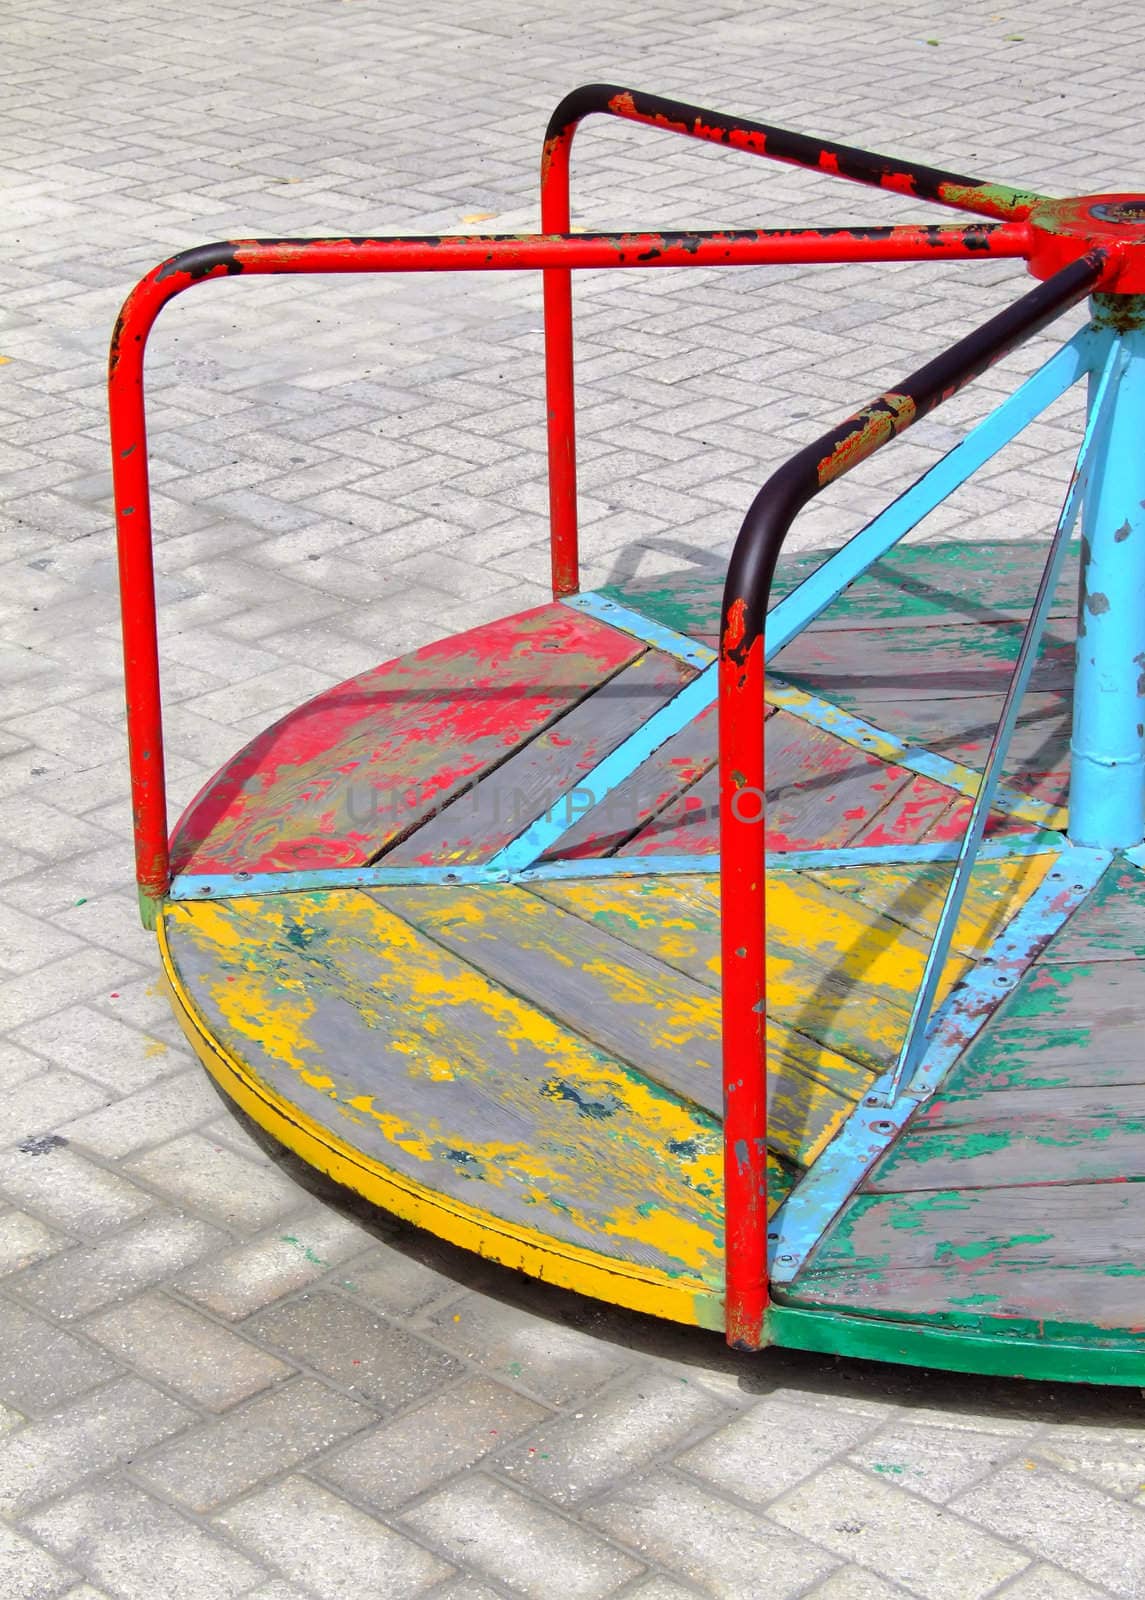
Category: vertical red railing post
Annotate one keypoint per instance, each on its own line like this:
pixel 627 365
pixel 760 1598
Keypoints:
pixel 132 493
pixel 744 955
pixel 560 399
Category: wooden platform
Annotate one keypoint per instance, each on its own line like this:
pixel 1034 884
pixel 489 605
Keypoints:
pixel 451 931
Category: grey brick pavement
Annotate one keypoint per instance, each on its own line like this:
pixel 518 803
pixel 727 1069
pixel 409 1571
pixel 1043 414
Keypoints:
pixel 221 1378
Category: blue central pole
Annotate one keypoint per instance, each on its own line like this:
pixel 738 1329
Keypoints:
pixel 1107 774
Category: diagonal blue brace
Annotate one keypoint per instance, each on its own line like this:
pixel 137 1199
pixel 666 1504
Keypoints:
pixel 1100 412
pixel 1082 353
pixel 825 584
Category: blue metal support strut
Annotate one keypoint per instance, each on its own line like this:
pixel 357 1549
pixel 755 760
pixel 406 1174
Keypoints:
pixel 1103 402
pixel 1107 748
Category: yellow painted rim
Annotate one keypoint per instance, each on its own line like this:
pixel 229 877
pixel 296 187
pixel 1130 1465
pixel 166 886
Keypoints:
pixel 644 1289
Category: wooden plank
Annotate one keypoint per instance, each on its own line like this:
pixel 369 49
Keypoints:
pixel 821 794
pixel 1019 1136
pixel 334 781
pixel 543 774
pixel 901 664
pixel 837 973
pixel 637 1009
pixel 444 1077
pixel 1065 1025
pixel 962 728
pixel 1072 1254
pixel 918 583
pixel 913 896
pixel 1110 926
pixel 653 788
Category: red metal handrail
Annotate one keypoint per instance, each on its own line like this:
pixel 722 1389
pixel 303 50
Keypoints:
pixel 463 254
pixel 711 127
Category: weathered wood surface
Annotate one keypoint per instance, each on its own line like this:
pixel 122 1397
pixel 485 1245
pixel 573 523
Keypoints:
pixel 1019 1190
pixel 1020 1136
pixel 837 973
pixel 901 664
pixel 962 728
pixel 657 785
pixel 1080 1025
pixel 331 783
pixel 1110 926
pixel 635 1007
pixel 543 775
pixel 439 1074
pixel 821 794
pixel 1071 1254
pixel 913 895
pixel 922 585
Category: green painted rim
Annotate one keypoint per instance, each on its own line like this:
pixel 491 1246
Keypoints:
pixel 1115 1359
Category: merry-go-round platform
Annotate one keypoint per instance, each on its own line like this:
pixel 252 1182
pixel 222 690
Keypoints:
pixel 485 933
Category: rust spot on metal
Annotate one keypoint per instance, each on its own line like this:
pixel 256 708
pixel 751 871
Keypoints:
pixel 1097 604
pixel 1123 532
pixel 870 428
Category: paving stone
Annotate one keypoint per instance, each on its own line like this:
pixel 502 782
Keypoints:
pixel 1051 1583
pixel 853 1583
pixel 44 1104
pixel 778 1442
pixel 658 1588
pixel 25 1240
pixel 1112 1459
pixel 250 1276
pixel 389 1465
pixel 90 1276
pixel 934 1462
pixel 43 1366
pixel 372 1358
pixel 508 1537
pixel 706 1540
pixel 77 976
pixel 29 1573
pixel 338 1552
pixel 97 1431
pixel 68 1190
pixel 223 1459
pixel 904 1538
pixel 209 1365
pixel 173 1106
pixel 84 1040
pixel 554 1362
pixel 614 1434
pixel 1063 1520
pixel 138 1549
pixel 279 1591
pixel 210 1179
pixel 395 1280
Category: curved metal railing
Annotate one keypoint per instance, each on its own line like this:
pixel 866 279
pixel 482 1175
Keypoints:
pixel 742 765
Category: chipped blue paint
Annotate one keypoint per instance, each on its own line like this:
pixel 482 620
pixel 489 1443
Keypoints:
pixel 236 886
pixel 811 1207
pixel 601 780
pixel 1107 747
pixel 642 627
